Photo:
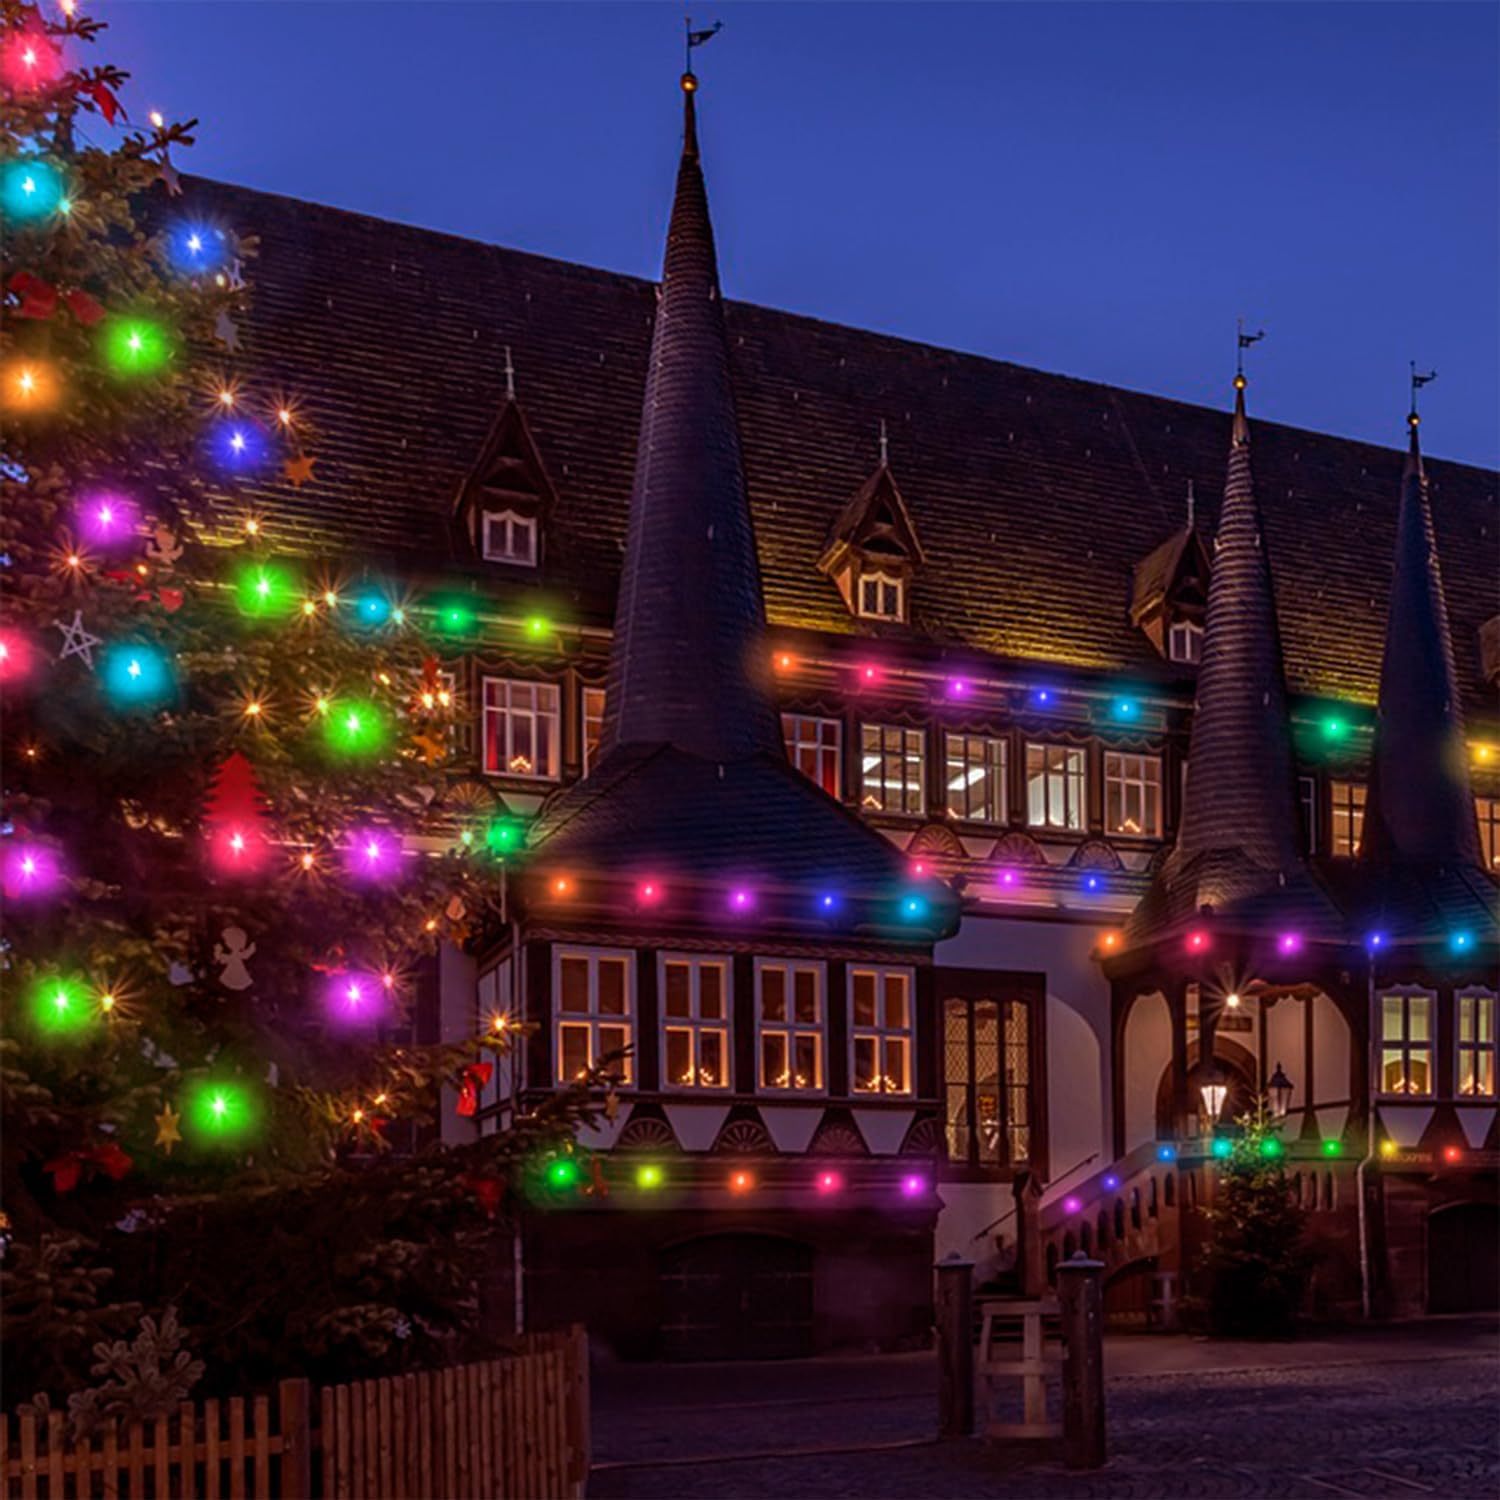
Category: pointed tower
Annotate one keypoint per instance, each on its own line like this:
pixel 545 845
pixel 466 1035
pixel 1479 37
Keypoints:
pixel 1238 847
pixel 689 620
pixel 692 792
pixel 1420 809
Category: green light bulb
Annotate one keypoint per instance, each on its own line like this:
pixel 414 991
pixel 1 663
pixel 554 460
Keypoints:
pixel 58 1006
pixel 562 1173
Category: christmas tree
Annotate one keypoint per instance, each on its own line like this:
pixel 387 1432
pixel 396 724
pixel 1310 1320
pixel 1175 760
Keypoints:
pixel 1255 1260
pixel 226 855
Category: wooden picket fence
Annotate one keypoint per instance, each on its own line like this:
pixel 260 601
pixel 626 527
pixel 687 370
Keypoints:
pixel 515 1428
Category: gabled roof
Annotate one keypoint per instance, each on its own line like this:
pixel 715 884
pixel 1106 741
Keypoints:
pixel 509 468
pixel 1039 493
pixel 876 513
pixel 1157 574
pixel 1239 847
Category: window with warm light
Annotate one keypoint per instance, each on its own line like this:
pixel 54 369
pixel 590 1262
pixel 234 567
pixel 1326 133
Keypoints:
pixel 1185 641
pixel 695 1021
pixel 1487 810
pixel 1132 795
pixel 521 731
pixel 1474 1044
pixel 881 596
pixel 593 1012
pixel 509 538
pixel 789 1026
pixel 1406 1042
pixel 1056 786
pixel 815 747
pixel 1346 817
pixel 974 771
pixel 592 720
pixel 880 1030
pixel 892 768
pixel 987 1080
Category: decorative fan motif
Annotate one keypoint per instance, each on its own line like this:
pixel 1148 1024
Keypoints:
pixel 838 1139
pixel 936 838
pixel 744 1138
pixel 647 1134
pixel 1018 849
pixel 468 794
pixel 925 1138
pixel 1095 854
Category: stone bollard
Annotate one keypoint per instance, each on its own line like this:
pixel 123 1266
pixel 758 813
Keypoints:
pixel 955 1346
pixel 1080 1298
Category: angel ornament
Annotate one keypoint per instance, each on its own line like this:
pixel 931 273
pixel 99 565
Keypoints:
pixel 233 957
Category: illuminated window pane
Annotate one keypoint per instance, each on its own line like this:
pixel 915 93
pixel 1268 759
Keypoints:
pixel 815 747
pixel 773 994
pixel 612 982
pixel 575 984
pixel 677 996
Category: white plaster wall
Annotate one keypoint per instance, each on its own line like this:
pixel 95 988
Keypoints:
pixel 1077 1041
pixel 967 1224
pixel 1331 1044
pixel 1284 1045
pixel 1148 1052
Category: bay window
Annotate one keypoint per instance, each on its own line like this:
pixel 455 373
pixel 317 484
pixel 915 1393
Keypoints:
pixel 880 1030
pixel 815 747
pixel 975 775
pixel 695 1022
pixel 593 1012
pixel 1056 786
pixel 1132 795
pixel 1474 1044
pixel 1406 1042
pixel 789 1026
pixel 893 765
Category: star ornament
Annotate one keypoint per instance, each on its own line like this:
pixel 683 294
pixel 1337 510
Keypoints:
pixel 298 470
pixel 167 1132
pixel 227 331
pixel 77 641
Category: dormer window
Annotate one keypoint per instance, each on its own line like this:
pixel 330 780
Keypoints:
pixel 1185 641
pixel 509 537
pixel 872 551
pixel 501 510
pixel 882 596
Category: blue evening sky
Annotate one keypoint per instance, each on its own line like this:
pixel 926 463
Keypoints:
pixel 1096 189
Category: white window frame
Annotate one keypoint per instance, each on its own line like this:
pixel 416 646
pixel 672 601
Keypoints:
pixel 989 756
pixel 1479 998
pixel 502 716
pixel 1074 777
pixel 584 719
pixel 817 742
pixel 791 1029
pixel 890 594
pixel 1487 814
pixel 695 1024
pixel 1350 817
pixel 1406 993
pixel 593 1021
pixel 881 1033
pixel 1137 776
pixel 512 525
pixel 1185 642
pixel 910 745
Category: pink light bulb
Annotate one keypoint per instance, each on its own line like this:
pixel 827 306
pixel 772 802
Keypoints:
pixel 913 1186
pixel 829 1182
pixel 740 900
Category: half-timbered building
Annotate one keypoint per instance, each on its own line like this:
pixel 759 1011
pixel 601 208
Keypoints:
pixel 951 791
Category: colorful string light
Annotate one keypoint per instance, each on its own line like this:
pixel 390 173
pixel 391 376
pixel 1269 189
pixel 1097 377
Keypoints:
pixel 30 189
pixel 135 346
pixel 59 1006
pixel 136 676
pixel 353 727
pixel 264 590
pixel 222 1113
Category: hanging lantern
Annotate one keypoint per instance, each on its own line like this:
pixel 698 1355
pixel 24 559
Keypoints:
pixel 1279 1087
pixel 1214 1091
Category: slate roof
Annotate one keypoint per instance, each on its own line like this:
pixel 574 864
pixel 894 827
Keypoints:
pixel 1239 845
pixel 1035 494
pixel 1420 806
pixel 693 781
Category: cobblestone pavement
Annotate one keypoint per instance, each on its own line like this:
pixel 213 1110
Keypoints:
pixel 1381 1421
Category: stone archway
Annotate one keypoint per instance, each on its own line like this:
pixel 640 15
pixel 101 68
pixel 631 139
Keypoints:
pixel 1235 1068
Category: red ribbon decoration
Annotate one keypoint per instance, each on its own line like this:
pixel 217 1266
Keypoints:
pixel 488 1192
pixel 109 106
pixel 67 1170
pixel 83 307
pixel 38 297
pixel 475 1076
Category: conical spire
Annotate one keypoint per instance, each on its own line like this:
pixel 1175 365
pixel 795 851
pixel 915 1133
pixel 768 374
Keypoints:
pixel 1238 847
pixel 1240 781
pixel 1419 808
pixel 690 618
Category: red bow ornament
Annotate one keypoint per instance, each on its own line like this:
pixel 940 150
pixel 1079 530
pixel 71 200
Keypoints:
pixel 475 1076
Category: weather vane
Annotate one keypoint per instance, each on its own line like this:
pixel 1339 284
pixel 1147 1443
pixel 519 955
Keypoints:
pixel 1417 382
pixel 1244 341
pixel 697 38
